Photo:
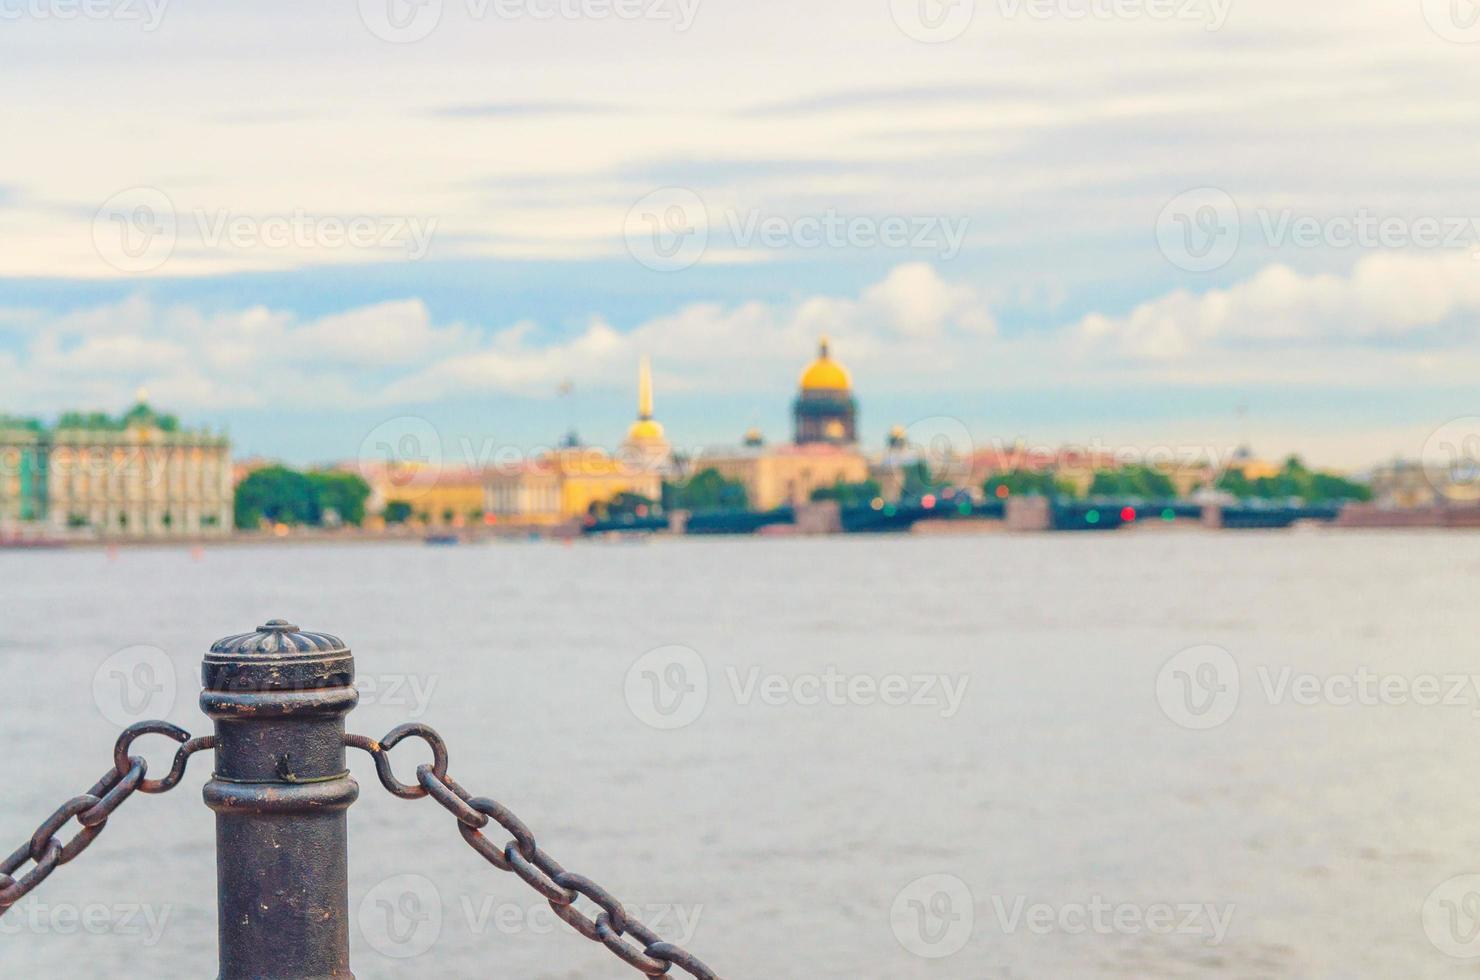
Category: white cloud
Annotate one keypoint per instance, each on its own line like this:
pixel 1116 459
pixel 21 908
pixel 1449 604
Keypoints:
pixel 1394 319
pixel 1388 298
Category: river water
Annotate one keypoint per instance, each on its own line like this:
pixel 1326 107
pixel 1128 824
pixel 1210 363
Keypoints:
pixel 835 758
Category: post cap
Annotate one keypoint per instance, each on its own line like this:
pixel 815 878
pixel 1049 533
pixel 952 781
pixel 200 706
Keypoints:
pixel 278 656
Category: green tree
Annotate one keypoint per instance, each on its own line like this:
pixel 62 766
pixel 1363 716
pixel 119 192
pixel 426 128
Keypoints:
pixel 277 494
pixel 1026 483
pixel 1133 481
pixel 343 493
pixel 1295 481
pixel 706 490
pixel 397 512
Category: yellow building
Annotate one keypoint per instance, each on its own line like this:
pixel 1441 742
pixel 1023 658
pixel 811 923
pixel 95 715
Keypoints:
pixel 825 416
pixel 434 496
pixel 787 474
pixel 569 483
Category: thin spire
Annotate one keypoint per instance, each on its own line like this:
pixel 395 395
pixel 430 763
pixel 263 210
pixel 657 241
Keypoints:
pixel 645 390
pixel 822 347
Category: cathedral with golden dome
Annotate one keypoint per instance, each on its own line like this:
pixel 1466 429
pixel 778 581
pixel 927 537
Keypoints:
pixel 825 410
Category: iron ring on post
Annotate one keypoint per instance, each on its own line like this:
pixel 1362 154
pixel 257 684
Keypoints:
pixel 122 763
pixel 380 752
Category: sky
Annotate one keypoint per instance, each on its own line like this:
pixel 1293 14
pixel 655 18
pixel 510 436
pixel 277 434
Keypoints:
pixel 1115 223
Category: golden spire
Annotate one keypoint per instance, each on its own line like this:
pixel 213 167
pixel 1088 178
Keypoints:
pixel 645 430
pixel 645 389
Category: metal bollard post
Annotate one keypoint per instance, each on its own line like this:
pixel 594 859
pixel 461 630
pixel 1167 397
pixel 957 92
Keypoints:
pixel 281 791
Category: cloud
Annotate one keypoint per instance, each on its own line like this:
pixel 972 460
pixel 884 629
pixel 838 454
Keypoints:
pixel 1389 299
pixel 1394 319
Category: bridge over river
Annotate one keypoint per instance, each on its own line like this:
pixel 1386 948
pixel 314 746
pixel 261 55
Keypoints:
pixel 1055 515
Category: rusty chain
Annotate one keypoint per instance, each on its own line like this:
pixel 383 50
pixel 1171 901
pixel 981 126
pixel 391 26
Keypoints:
pixel 522 855
pixel 93 808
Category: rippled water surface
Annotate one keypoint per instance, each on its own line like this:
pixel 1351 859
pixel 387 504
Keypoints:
pixel 780 835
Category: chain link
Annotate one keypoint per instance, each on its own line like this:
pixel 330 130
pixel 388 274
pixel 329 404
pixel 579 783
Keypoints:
pixel 92 809
pixel 644 950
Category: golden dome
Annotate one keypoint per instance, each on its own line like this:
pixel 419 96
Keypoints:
pixel 825 374
pixel 645 430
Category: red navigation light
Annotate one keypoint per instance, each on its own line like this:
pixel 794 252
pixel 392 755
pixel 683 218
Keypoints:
pixel 928 501
pixel 1002 491
pixel 1128 514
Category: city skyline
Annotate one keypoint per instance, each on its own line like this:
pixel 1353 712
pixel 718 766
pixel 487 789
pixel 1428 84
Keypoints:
pixel 1000 221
